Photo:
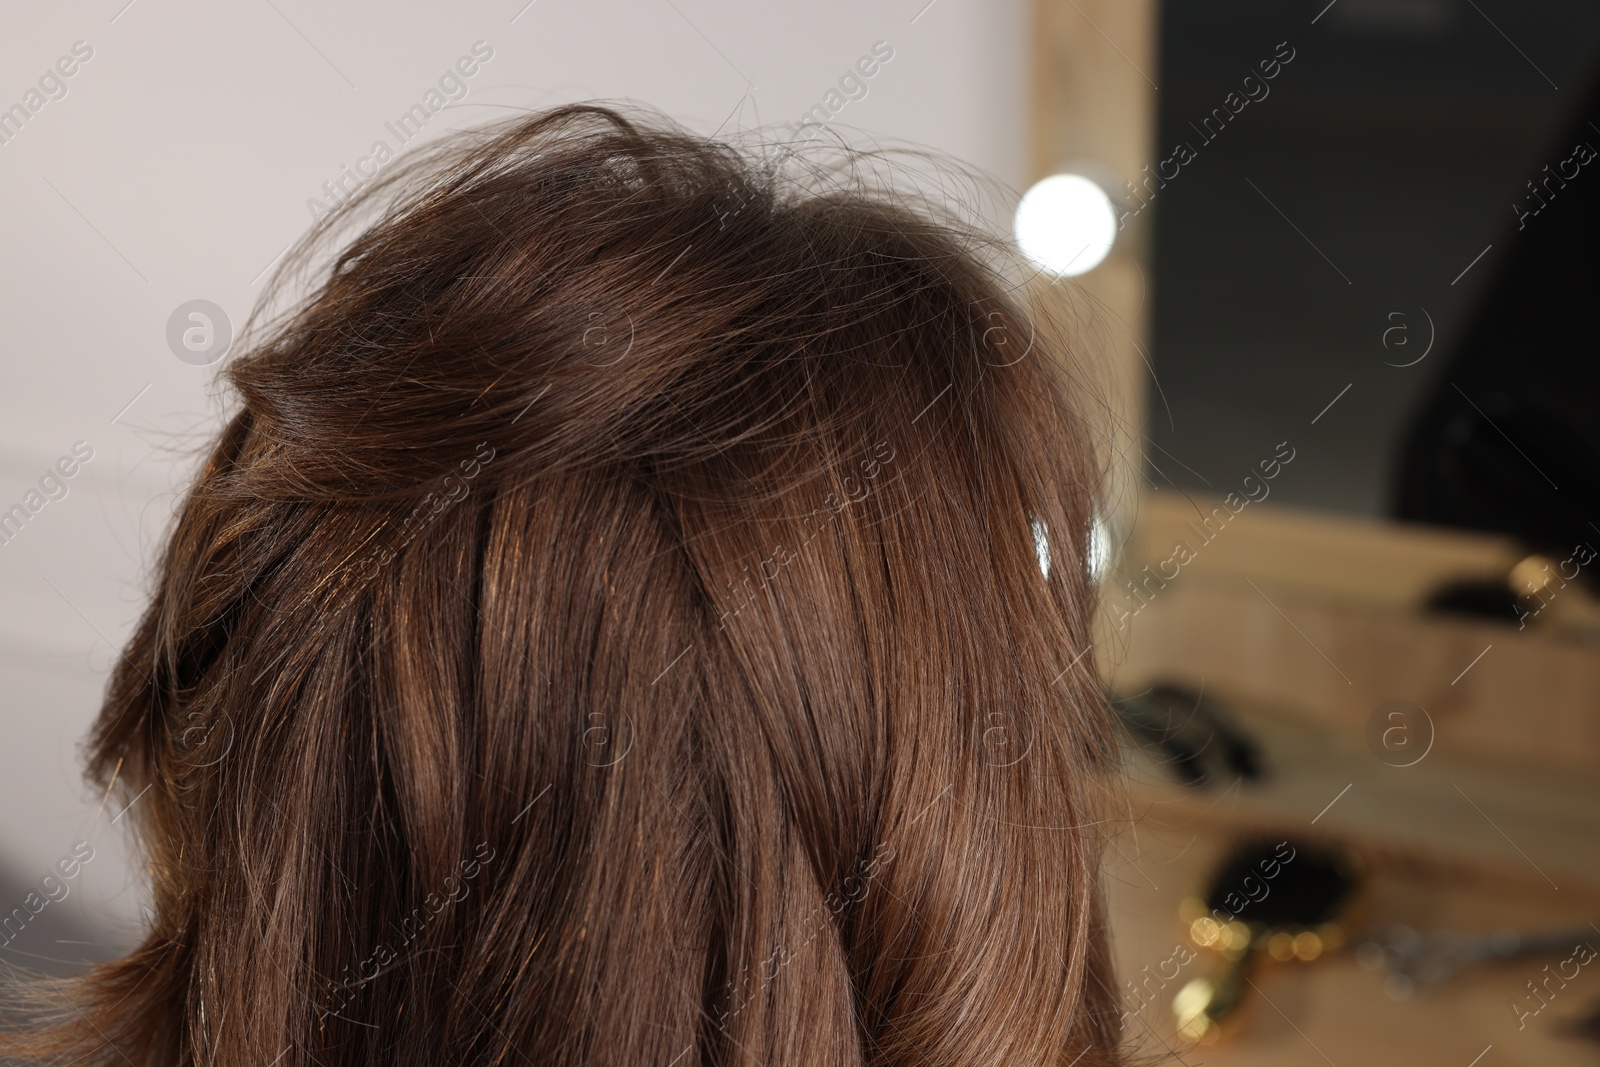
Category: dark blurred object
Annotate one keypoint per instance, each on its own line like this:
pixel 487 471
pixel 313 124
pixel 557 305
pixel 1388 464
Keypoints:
pixel 1508 440
pixel 1309 888
pixel 1585 1026
pixel 1479 598
pixel 1281 901
pixel 1189 734
pixel 1528 588
pixel 1417 960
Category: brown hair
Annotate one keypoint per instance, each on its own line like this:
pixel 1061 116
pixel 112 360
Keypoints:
pixel 612 630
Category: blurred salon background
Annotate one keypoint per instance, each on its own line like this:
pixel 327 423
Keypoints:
pixel 1333 261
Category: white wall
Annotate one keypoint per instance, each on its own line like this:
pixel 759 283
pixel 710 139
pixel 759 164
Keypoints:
pixel 178 165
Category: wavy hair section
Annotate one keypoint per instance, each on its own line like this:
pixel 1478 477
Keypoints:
pixel 609 629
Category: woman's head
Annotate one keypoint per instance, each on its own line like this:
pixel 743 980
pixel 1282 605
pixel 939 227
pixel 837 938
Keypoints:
pixel 612 630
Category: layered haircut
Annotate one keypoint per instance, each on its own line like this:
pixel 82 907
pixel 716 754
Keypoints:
pixel 611 630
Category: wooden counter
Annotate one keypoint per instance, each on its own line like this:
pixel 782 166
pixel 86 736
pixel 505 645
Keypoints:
pixel 1302 626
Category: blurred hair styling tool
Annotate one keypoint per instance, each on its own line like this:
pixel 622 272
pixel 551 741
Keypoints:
pixel 1189 734
pixel 1278 901
pixel 1418 960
